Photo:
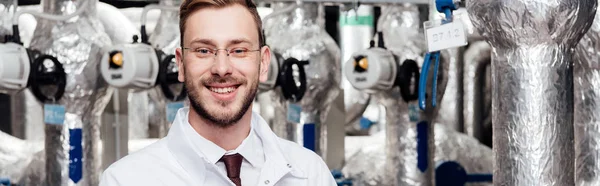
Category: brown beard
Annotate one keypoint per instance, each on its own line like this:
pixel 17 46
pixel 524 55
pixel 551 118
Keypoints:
pixel 202 111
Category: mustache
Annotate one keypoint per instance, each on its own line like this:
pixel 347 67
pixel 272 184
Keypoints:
pixel 219 79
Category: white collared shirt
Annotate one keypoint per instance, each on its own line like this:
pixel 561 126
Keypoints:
pixel 182 158
pixel 251 149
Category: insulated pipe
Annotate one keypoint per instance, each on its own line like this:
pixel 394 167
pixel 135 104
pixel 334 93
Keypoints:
pixel 322 71
pixel 533 42
pixel 477 59
pixel 587 107
pixel 400 27
pixel 77 44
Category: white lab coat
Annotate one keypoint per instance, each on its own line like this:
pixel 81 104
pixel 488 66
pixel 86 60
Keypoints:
pixel 174 161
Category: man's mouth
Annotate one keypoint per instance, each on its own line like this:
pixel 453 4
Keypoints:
pixel 223 89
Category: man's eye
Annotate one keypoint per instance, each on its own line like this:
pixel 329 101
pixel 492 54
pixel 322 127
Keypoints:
pixel 203 50
pixel 239 50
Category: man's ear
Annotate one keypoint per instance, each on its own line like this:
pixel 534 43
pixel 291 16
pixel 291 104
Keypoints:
pixel 264 63
pixel 179 58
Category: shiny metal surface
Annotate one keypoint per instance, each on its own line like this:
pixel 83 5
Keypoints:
pixel 298 35
pixel 586 112
pixel 77 43
pixel 15 156
pixel 451 106
pixel 165 37
pixel 477 59
pixel 7 10
pixel 533 43
pixel 118 27
pixel 367 165
pixel 400 27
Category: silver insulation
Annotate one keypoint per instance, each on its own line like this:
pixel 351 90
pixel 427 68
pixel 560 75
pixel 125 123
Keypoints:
pixel 165 37
pixel 297 34
pixel 477 59
pixel 77 43
pixel 367 165
pixel 117 26
pixel 587 107
pixel 400 27
pixel 533 42
pixel 452 105
pixel 7 11
pixel 15 156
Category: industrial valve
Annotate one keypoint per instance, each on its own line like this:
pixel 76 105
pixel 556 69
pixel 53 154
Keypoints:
pixel 377 69
pixel 281 73
pixel 141 66
pixel 23 67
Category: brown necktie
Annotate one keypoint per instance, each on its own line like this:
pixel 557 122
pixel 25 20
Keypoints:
pixel 233 163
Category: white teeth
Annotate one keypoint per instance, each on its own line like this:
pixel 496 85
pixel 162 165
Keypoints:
pixel 222 90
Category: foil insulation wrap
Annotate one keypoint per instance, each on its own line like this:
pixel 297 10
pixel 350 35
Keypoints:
pixel 367 166
pixel 77 43
pixel 476 61
pixel 281 126
pixel 587 107
pixel 7 11
pixel 533 43
pixel 117 26
pixel 298 35
pixel 165 37
pixel 400 28
pixel 450 108
pixel 15 156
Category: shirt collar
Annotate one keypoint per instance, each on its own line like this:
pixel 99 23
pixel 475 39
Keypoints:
pixel 250 148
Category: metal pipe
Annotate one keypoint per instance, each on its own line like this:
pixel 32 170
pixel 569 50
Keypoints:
pixel 587 107
pixel 323 71
pixel 400 27
pixel 77 44
pixel 477 59
pixel 532 74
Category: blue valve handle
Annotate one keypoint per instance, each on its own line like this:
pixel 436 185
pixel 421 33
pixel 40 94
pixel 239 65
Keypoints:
pixel 4 181
pixel 422 146
pixel 453 174
pixel 447 9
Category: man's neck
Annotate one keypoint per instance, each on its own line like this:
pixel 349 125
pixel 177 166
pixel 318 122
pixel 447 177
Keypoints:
pixel 227 138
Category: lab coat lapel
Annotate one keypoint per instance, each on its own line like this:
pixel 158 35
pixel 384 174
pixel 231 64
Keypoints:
pixel 180 146
pixel 276 163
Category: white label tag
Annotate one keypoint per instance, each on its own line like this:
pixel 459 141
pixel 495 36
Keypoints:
pixel 293 113
pixel 54 114
pixel 445 36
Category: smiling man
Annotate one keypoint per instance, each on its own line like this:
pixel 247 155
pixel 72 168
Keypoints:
pixel 219 140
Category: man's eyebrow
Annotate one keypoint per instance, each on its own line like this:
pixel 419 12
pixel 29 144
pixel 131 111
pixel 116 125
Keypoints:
pixel 239 41
pixel 203 41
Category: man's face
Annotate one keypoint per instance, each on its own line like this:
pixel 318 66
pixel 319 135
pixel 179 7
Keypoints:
pixel 221 88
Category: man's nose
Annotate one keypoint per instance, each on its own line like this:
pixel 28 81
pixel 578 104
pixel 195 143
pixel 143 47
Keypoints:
pixel 222 65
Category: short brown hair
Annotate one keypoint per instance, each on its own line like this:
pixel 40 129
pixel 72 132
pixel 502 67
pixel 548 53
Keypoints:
pixel 190 6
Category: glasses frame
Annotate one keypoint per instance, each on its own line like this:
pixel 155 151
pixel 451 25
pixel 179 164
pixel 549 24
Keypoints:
pixel 216 50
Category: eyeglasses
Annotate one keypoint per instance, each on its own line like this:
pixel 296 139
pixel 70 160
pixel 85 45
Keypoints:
pixel 205 53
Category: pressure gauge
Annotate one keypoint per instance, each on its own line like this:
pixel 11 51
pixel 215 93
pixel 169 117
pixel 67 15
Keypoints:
pixel 134 66
pixel 14 67
pixel 371 70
